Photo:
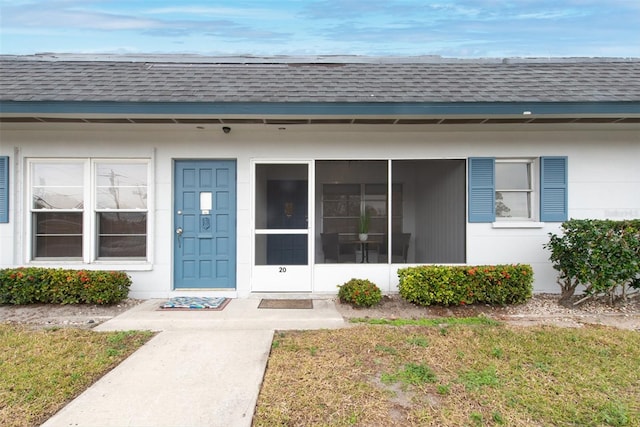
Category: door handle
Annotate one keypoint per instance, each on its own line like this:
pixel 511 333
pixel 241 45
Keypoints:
pixel 179 233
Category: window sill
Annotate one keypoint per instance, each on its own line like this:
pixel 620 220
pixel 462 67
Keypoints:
pixel 518 224
pixel 124 265
pixel 96 265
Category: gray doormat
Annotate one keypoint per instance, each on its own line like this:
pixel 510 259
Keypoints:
pixel 195 303
pixel 286 303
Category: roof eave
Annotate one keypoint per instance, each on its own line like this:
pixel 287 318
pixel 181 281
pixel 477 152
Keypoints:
pixel 436 109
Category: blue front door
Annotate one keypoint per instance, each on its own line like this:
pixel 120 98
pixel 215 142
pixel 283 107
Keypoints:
pixel 205 224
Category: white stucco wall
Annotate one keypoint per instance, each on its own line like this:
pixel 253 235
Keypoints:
pixel 604 182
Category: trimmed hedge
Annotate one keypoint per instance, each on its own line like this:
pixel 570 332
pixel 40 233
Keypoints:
pixel 360 293
pixel 460 285
pixel 28 285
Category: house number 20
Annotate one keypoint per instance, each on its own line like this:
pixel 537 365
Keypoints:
pixel 282 269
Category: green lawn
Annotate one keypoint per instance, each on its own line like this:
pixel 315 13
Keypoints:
pixel 450 374
pixel 440 373
pixel 42 370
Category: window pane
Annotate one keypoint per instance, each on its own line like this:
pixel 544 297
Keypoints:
pixel 58 234
pixel 122 246
pixel 57 185
pixel 375 189
pixel 513 176
pixel 57 198
pixel 121 198
pixel 58 246
pixel 58 223
pixel 339 190
pixel 68 174
pixel 341 200
pixel 122 234
pixel 336 208
pixel 121 174
pixel 515 204
pixel 122 223
pixel 376 208
pixel 121 186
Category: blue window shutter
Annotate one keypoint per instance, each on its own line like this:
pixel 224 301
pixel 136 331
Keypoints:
pixel 553 189
pixel 4 189
pixel 482 191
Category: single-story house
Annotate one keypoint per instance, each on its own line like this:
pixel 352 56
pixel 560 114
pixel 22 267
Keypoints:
pixel 236 176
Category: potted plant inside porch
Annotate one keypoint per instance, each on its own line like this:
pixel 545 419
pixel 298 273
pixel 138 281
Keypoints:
pixel 363 226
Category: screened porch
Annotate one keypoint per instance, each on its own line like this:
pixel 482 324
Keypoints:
pixel 399 211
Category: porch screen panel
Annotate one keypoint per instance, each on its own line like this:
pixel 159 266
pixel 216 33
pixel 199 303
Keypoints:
pixel 281 215
pixel 428 211
pixel 348 191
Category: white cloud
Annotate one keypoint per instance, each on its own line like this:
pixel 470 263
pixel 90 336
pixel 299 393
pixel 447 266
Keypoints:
pixel 68 15
pixel 228 12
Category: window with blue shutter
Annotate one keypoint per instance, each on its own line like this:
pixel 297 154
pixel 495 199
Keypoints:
pixel 4 189
pixel 482 191
pixel 553 189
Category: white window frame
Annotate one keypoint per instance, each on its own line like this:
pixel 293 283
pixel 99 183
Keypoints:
pixel 31 237
pixel 533 191
pixel 89 215
pixel 95 210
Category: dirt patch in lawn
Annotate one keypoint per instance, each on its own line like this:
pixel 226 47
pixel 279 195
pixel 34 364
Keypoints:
pixel 85 316
pixel 542 309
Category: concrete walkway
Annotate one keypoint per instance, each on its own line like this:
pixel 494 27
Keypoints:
pixel 204 368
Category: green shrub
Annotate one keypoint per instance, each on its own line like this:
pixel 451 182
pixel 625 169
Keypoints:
pixel 461 285
pixel 360 293
pixel 28 285
pixel 601 255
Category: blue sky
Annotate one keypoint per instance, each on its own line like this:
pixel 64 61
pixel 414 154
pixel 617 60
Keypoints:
pixel 454 28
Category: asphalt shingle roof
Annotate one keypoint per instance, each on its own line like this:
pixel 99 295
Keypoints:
pixel 575 80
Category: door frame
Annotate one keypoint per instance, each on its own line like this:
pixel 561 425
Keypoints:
pixel 283 278
pixel 233 234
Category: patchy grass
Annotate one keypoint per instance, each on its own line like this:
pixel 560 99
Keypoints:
pixel 42 370
pixel 438 321
pixel 475 374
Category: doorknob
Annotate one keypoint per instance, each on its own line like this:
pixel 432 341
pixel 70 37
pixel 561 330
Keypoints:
pixel 179 233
